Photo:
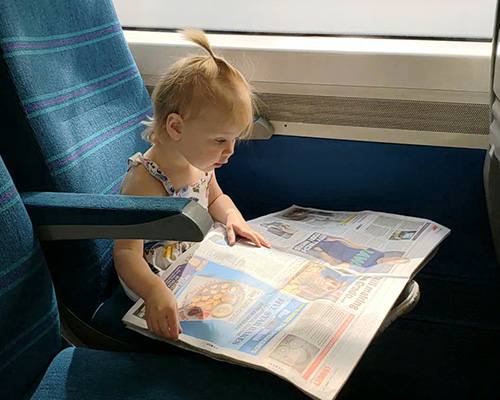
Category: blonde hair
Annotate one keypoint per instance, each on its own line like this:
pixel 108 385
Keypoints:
pixel 196 81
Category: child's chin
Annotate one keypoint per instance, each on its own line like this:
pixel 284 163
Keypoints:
pixel 205 169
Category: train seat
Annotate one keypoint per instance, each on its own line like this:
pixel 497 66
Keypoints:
pixel 72 132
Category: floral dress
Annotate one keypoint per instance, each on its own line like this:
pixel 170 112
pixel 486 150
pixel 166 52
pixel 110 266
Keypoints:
pixel 161 253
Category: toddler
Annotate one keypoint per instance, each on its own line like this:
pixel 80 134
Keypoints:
pixel 202 105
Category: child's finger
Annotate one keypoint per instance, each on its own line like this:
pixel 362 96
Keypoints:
pixel 153 326
pixel 231 236
pixel 173 322
pixel 148 324
pixel 263 241
pixel 164 328
pixel 252 237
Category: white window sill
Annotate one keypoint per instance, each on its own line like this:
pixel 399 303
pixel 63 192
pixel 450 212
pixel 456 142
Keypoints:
pixel 394 68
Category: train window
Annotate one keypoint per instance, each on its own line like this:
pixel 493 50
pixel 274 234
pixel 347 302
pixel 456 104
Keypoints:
pixel 462 19
pixel 415 72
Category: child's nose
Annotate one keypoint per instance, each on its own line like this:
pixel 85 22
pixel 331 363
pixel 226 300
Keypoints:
pixel 229 150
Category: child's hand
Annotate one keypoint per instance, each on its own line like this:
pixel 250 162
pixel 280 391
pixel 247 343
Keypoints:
pixel 236 225
pixel 162 314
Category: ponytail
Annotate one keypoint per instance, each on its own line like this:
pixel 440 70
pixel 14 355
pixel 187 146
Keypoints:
pixel 222 67
pixel 199 38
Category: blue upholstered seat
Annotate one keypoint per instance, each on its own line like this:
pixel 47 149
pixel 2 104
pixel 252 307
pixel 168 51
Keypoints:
pixel 30 340
pixel 149 377
pixel 29 332
pixel 76 101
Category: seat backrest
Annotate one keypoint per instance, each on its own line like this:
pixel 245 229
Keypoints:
pixel 76 100
pixel 29 331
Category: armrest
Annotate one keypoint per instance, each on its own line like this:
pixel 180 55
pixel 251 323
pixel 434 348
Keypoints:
pixel 64 216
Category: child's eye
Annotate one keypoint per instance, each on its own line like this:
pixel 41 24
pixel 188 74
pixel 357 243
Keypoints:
pixel 220 140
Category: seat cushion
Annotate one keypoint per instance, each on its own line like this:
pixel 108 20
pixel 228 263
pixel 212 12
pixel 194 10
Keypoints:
pixel 108 320
pixel 78 373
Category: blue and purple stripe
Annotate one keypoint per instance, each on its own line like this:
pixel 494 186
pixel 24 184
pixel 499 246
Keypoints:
pixel 59 42
pixel 8 197
pixel 114 187
pixel 88 146
pixel 95 142
pixel 30 336
pixel 45 38
pixel 71 89
pixel 96 135
pixel 96 86
pixel 35 251
pixel 20 274
pixel 5 197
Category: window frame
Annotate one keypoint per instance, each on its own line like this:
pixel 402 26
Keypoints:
pixel 398 69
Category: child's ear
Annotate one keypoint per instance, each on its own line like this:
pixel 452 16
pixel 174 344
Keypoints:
pixel 174 125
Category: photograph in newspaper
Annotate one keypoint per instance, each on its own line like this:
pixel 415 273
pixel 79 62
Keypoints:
pixel 289 310
pixel 363 242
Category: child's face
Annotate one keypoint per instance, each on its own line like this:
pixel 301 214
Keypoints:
pixel 208 140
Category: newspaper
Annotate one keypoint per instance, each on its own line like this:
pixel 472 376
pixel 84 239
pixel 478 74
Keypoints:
pixel 306 309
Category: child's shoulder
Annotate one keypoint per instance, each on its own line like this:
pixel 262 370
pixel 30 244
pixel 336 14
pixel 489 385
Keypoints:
pixel 138 181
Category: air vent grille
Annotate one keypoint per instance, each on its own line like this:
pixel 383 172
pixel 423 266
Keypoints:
pixel 377 113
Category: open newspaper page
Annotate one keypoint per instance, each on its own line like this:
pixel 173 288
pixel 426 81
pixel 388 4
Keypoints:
pixel 286 309
pixel 364 242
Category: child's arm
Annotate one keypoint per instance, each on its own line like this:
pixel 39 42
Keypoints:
pixel 222 209
pixel 161 306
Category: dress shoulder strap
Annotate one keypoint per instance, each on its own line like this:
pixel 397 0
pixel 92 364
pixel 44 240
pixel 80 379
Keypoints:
pixel 153 169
